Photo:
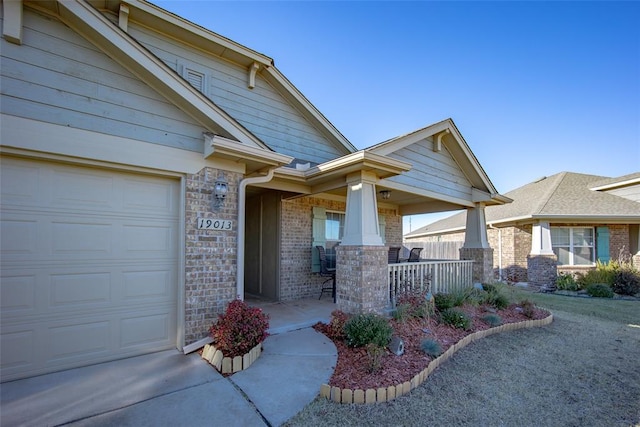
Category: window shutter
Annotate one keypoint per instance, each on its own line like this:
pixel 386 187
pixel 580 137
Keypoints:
pixel 382 225
pixel 319 236
pixel 602 244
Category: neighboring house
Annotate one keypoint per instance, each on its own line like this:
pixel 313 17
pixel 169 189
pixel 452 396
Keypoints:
pixel 152 171
pixel 570 219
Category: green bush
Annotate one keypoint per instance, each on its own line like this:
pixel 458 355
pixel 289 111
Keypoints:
pixel 431 347
pixel 566 282
pixel 455 318
pixel 375 355
pixel 626 281
pixel 597 276
pixel 368 328
pixel 599 290
pixel 496 298
pixel 492 319
pixel 443 301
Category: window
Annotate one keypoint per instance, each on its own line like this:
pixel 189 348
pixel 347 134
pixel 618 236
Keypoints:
pixel 573 245
pixel 334 229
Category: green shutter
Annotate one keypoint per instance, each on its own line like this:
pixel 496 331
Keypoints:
pixel 319 236
pixel 382 224
pixel 602 244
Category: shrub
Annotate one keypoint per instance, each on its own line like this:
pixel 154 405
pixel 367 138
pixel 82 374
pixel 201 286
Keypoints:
pixel 455 318
pixel 239 329
pixel 600 290
pixel 496 298
pixel 492 319
pixel 528 308
pixel 335 328
pixel 411 304
pixel 626 282
pixel 443 301
pixel 375 355
pixel 602 275
pixel 368 328
pixel 566 282
pixel 431 347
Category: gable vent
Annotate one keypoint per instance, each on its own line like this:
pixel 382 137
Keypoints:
pixel 196 79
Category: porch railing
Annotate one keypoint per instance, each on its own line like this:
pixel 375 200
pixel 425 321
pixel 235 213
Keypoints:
pixel 443 276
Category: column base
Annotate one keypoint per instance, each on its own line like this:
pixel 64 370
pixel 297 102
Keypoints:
pixel 362 279
pixel 483 263
pixel 542 271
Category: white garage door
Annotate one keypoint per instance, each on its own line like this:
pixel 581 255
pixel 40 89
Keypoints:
pixel 88 266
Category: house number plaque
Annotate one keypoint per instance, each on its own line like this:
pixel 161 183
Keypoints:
pixel 214 224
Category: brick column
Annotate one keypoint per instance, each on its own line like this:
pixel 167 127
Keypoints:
pixel 483 263
pixel 542 270
pixel 362 279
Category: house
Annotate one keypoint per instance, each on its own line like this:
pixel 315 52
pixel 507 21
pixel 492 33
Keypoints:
pixel 152 171
pixel 561 223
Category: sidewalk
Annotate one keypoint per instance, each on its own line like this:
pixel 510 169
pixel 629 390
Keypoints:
pixel 170 389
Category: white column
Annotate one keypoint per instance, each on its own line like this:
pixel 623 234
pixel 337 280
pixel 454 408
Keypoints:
pixel 541 239
pixel 361 226
pixel 476 233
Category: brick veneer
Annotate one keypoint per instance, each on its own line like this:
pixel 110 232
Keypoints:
pixel 296 279
pixel 210 255
pixel 542 270
pixel 483 263
pixel 362 279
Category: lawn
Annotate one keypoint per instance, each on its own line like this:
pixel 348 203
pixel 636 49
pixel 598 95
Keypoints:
pixel 582 370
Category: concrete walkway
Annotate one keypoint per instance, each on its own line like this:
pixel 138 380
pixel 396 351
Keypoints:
pixel 171 389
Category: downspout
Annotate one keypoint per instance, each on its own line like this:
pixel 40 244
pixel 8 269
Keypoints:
pixel 242 190
pixel 499 250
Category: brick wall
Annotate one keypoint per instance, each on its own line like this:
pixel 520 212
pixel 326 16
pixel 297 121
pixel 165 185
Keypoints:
pixel 210 255
pixel 362 279
pixel 619 241
pixel 296 279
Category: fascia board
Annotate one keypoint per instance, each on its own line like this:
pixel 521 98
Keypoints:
pixel 626 219
pixel 616 185
pixel 217 145
pixel 273 76
pixel 361 160
pixel 97 29
pixel 154 17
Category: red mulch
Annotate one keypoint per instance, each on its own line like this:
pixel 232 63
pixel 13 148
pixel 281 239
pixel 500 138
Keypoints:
pixel 352 368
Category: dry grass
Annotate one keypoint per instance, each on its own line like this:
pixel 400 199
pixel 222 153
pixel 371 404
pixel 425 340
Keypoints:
pixel 582 370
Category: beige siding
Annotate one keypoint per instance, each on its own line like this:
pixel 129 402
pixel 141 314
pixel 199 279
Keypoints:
pixel 262 110
pixel 57 77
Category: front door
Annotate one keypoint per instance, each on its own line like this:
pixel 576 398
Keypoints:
pixel 262 246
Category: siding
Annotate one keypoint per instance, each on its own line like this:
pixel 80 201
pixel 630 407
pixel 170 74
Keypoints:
pixel 432 171
pixel 262 110
pixel 57 77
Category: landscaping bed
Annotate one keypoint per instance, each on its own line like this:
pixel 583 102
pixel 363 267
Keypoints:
pixel 353 369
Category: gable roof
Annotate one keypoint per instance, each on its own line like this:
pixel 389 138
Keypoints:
pixel 563 197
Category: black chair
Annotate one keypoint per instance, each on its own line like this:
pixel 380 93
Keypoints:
pixel 394 254
pixel 414 255
pixel 326 272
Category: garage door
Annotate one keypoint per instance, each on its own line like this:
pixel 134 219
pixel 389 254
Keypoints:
pixel 89 266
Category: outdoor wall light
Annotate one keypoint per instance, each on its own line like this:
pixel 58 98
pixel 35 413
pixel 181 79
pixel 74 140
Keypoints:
pixel 219 193
pixel 385 194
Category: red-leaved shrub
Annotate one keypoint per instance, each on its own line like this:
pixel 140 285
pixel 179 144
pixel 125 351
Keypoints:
pixel 239 329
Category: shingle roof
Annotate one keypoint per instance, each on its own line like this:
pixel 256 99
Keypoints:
pixel 565 194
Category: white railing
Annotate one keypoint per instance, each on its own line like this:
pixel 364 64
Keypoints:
pixel 442 275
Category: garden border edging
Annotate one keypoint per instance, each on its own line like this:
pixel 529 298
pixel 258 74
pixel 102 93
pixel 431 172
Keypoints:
pixel 386 394
pixel 228 365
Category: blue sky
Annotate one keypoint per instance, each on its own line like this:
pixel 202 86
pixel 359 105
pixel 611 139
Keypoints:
pixel 536 88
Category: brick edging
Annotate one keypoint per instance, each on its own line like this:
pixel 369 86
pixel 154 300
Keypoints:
pixel 386 394
pixel 228 365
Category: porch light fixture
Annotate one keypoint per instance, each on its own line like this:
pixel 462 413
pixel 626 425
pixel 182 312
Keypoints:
pixel 219 193
pixel 385 194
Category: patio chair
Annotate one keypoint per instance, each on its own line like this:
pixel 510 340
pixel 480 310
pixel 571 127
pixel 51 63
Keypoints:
pixel 414 255
pixel 394 254
pixel 326 272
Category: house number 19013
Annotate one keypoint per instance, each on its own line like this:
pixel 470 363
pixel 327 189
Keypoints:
pixel 214 224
